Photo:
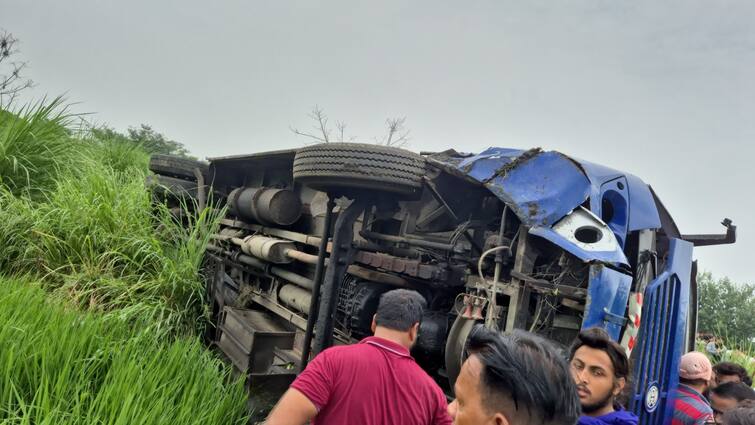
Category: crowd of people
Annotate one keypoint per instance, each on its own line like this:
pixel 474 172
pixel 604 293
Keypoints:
pixel 506 379
pixel 707 394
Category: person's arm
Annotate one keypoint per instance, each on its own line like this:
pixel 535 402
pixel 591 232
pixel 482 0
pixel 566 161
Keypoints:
pixel 441 416
pixel 307 395
pixel 294 408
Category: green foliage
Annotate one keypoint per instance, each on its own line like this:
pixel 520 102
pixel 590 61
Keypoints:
pixel 736 351
pixel 76 218
pixel 91 232
pixel 135 147
pixel 99 240
pixel 60 366
pixel 117 151
pixel 154 142
pixel 726 308
pixel 36 147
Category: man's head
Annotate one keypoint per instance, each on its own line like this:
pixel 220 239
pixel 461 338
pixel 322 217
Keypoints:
pixel 727 396
pixel 599 367
pixel 513 379
pixel 743 414
pixel 731 372
pixel 398 316
pixel 695 371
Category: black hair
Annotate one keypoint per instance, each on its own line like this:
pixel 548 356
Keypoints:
pixel 729 368
pixel 693 382
pixel 527 369
pixel 598 339
pixel 743 414
pixel 400 309
pixel 735 390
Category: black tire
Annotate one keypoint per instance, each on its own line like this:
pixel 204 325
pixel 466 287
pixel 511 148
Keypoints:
pixel 456 343
pixel 178 167
pixel 344 167
pixel 170 188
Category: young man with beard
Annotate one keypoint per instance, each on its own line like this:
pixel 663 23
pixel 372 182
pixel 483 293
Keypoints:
pixel 600 367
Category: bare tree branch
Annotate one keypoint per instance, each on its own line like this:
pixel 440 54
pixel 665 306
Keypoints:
pixel 341 127
pixel 311 136
pixel 13 82
pixel 397 135
pixel 319 116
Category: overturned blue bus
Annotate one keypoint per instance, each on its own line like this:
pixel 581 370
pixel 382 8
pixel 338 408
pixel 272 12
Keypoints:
pixel 513 239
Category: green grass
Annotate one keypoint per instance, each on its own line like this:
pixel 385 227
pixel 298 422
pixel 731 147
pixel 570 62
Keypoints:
pixel 89 231
pixel 62 366
pixel 102 327
pixel 36 146
pixel 98 240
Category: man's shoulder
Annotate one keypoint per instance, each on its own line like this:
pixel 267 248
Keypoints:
pixel 421 379
pixel 351 351
pixel 690 405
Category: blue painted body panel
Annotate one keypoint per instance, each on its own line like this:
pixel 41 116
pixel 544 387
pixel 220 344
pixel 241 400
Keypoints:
pixel 608 291
pixel 540 190
pixel 662 336
pixel 484 165
pixel 643 213
pixel 554 184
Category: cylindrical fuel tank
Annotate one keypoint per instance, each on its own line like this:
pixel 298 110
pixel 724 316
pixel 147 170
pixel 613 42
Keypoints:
pixel 265 205
pixel 295 297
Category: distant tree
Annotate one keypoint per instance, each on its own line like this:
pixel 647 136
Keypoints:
pixel 396 133
pixel 726 308
pixel 12 82
pixel 106 134
pixel 154 142
pixel 145 137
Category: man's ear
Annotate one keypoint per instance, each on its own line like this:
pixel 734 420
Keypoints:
pixel 374 323
pixel 619 387
pixel 414 331
pixel 500 419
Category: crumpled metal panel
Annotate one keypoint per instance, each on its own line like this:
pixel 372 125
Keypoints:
pixel 607 297
pixel 483 166
pixel 540 187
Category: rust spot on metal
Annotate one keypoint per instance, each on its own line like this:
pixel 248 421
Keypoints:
pixel 519 160
pixel 532 209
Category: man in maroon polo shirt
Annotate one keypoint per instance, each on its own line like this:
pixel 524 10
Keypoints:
pixel 374 382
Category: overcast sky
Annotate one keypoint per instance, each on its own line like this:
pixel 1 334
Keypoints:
pixel 662 89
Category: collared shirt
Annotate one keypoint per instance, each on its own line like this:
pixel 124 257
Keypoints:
pixel 374 382
pixel 691 408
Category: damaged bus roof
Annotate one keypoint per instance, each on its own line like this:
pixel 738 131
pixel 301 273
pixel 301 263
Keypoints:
pixel 547 189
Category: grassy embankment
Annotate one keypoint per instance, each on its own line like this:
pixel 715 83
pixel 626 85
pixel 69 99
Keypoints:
pixel 117 340
pixel 63 366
